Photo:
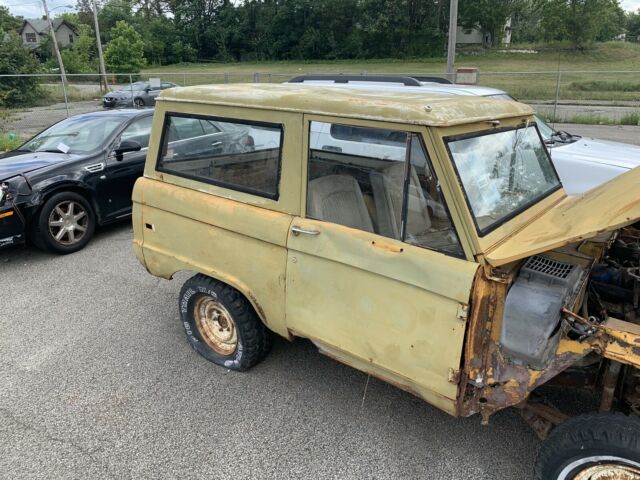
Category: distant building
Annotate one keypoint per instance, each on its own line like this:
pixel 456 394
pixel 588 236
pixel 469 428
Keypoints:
pixel 35 30
pixel 474 36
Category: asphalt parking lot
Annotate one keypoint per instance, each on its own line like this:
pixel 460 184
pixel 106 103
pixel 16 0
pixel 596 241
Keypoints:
pixel 98 381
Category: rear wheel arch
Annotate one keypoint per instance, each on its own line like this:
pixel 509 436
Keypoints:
pixel 234 283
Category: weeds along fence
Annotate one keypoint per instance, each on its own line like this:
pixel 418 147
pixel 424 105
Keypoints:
pixel 607 97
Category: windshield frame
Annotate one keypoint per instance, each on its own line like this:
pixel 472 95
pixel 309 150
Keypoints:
pixel 482 232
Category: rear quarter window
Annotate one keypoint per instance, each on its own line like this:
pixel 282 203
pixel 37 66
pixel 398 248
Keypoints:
pixel 235 154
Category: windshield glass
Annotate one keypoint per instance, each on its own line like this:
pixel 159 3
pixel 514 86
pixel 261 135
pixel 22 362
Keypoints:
pixel 136 86
pixel 74 135
pixel 503 173
pixel 545 130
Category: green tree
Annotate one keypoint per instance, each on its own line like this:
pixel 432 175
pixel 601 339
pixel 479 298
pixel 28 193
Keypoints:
pixel 633 26
pixel 125 51
pixel 581 21
pixel 8 22
pixel 14 59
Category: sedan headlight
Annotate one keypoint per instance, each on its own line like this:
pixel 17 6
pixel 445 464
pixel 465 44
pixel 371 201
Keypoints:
pixel 4 190
pixel 11 188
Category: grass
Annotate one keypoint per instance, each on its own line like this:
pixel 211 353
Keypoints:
pixel 10 141
pixel 55 94
pixel 590 119
pixel 497 69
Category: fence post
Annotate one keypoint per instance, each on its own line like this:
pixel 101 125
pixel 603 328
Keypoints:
pixel 133 103
pixel 555 104
pixel 184 79
pixel 226 78
pixel 64 92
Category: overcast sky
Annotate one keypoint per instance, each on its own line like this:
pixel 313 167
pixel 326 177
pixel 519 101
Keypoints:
pixel 33 8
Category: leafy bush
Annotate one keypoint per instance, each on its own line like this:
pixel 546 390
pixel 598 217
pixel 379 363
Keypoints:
pixel 15 59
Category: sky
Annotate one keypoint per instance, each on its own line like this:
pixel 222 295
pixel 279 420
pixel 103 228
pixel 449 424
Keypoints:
pixel 630 4
pixel 33 8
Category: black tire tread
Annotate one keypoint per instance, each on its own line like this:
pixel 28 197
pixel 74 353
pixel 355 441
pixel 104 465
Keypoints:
pixel 256 338
pixel 614 430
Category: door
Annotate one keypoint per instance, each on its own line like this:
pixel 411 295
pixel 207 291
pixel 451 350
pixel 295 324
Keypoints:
pixel 375 273
pixel 121 173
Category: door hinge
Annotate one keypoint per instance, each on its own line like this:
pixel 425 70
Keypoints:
pixel 463 312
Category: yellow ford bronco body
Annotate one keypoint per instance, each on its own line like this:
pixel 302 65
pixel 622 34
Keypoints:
pixel 423 239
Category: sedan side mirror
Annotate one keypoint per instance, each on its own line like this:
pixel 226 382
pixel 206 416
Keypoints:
pixel 126 146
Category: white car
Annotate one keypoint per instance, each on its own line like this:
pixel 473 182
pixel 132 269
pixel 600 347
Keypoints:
pixel 581 162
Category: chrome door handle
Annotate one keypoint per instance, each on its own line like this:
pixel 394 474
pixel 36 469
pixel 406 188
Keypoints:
pixel 297 231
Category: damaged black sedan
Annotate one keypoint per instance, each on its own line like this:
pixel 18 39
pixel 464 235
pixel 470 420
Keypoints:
pixel 77 174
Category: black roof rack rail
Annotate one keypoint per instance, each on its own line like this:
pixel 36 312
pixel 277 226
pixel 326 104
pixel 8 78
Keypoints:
pixel 423 78
pixel 406 81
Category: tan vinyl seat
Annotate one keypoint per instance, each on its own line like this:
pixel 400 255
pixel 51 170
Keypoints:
pixel 388 186
pixel 338 199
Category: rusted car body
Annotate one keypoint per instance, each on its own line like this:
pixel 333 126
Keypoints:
pixel 461 324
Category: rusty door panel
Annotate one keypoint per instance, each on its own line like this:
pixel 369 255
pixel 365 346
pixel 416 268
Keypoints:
pixel 381 305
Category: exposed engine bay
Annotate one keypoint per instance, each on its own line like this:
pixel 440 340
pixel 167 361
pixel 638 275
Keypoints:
pixel 554 296
pixel 568 317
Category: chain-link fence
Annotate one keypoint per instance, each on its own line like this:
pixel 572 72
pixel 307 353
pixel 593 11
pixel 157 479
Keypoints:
pixel 592 97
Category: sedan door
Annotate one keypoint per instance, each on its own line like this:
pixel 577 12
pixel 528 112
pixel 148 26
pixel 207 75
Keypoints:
pixel 121 172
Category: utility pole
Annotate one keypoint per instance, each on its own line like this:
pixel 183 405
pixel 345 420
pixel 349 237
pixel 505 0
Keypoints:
pixel 453 30
pixel 63 74
pixel 103 71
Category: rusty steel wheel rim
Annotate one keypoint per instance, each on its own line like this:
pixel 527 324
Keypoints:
pixel 216 326
pixel 609 471
pixel 68 222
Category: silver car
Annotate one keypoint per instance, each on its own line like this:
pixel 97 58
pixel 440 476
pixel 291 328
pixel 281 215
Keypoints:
pixel 138 94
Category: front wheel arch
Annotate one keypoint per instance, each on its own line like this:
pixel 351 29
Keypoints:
pixel 47 193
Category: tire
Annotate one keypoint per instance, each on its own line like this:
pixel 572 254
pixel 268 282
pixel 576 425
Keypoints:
pixel 588 445
pixel 65 210
pixel 138 102
pixel 221 325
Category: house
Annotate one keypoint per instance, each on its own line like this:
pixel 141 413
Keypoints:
pixel 35 30
pixel 475 36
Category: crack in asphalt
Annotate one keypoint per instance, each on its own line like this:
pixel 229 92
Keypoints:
pixel 88 453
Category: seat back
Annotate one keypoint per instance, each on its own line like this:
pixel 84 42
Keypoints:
pixel 388 186
pixel 338 199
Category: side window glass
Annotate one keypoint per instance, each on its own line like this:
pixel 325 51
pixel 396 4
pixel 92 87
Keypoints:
pixel 382 183
pixel 427 220
pixel 138 131
pixel 223 152
pixel 358 185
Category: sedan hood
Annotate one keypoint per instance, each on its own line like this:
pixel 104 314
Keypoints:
pixel 16 163
pixel 600 151
pixel 608 207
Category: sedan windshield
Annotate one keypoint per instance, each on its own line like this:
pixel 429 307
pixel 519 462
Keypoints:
pixel 74 135
pixel 502 173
